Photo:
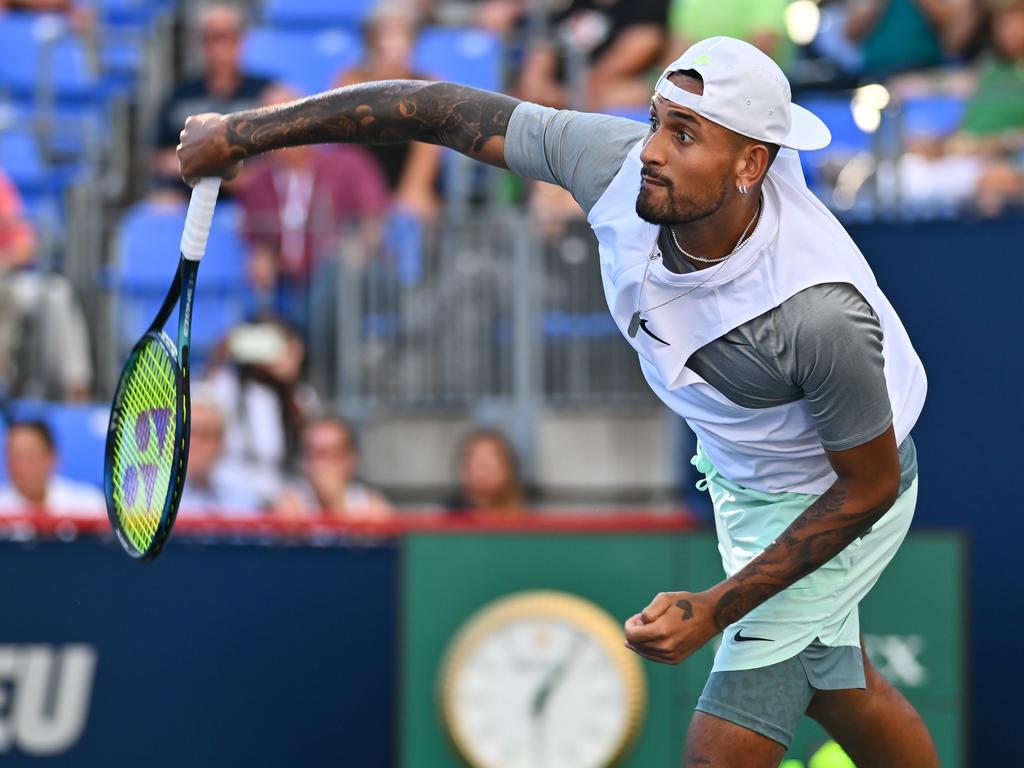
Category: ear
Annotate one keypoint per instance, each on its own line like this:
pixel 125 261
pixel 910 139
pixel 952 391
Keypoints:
pixel 751 165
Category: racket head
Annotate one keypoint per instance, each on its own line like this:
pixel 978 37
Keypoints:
pixel 147 446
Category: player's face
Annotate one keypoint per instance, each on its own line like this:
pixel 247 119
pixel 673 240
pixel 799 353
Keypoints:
pixel 688 163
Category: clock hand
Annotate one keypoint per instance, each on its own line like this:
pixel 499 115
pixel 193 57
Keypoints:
pixel 554 676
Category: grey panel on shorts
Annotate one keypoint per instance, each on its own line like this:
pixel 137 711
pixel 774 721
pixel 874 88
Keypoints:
pixel 771 700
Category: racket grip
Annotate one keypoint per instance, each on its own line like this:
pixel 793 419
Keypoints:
pixel 198 218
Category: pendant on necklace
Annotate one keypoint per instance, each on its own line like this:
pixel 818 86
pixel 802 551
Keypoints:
pixel 634 324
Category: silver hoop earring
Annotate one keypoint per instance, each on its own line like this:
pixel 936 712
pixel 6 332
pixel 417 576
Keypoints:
pixel 743 189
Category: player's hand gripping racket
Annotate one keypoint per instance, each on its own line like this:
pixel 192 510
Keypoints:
pixel 147 440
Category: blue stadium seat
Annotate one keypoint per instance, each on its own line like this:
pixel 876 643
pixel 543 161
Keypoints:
pixel 148 247
pixel 317 13
pixel 468 56
pixel 29 41
pixel 935 116
pixel 639 114
pixel 835 111
pixel 80 432
pixel 307 60
pixel 578 325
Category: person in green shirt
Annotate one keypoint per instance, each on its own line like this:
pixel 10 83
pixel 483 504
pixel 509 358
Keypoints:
pixel 997 105
pixel 899 36
pixel 759 22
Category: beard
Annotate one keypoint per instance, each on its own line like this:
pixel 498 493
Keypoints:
pixel 662 205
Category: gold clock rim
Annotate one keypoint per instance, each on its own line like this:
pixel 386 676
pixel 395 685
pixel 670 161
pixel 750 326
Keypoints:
pixel 586 614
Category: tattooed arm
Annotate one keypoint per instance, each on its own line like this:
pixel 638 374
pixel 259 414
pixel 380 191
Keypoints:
pixel 676 624
pixel 468 120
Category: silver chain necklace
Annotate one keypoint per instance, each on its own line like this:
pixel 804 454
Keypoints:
pixel 635 320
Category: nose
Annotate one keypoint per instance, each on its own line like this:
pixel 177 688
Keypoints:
pixel 653 151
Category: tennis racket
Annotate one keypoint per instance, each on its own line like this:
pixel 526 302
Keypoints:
pixel 147 439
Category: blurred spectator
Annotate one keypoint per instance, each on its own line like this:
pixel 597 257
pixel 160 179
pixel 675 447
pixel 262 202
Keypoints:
pixel 997 105
pixel 330 461
pixel 298 204
pixel 49 322
pixel 33 485
pixel 899 36
pixel 222 87
pixel 257 377
pixel 209 487
pixel 411 168
pixel 597 56
pixel 81 16
pixel 489 481
pixel 759 22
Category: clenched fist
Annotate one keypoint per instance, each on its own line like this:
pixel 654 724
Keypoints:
pixel 205 151
pixel 672 627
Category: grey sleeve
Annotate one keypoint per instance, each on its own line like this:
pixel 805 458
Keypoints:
pixel 837 363
pixel 579 151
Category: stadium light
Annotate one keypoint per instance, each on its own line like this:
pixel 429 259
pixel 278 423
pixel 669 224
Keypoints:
pixel 867 105
pixel 802 21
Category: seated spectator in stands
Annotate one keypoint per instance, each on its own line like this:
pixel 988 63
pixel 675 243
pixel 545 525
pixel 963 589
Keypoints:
pixel 411 169
pixel 222 87
pixel 598 57
pixel 257 376
pixel 210 487
pixel 298 204
pixel 49 322
pixel 33 485
pixel 330 462
pixel 898 36
pixel 489 481
pixel 997 104
pixel 760 22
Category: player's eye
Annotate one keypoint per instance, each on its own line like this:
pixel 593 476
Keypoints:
pixel 684 137
pixel 653 123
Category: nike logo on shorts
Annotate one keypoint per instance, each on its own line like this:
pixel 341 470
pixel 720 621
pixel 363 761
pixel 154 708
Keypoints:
pixel 739 638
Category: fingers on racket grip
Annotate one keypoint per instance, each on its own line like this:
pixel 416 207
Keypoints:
pixel 198 218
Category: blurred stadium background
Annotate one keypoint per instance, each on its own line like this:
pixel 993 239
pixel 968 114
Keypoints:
pixel 409 400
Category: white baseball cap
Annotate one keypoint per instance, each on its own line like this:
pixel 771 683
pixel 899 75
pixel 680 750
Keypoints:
pixel 745 91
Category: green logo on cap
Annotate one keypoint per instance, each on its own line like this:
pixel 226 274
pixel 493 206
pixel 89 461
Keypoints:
pixel 702 59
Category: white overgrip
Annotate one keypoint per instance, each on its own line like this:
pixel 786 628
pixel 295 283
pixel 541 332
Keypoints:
pixel 198 218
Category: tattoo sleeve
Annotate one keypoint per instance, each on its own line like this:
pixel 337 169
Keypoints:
pixel 385 112
pixel 820 533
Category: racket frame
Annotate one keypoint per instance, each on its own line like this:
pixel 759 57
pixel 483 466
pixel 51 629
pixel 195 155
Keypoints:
pixel 182 293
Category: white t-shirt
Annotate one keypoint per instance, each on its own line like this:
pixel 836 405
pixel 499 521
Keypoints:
pixel 63 497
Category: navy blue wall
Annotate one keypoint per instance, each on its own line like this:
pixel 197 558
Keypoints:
pixel 959 287
pixel 214 655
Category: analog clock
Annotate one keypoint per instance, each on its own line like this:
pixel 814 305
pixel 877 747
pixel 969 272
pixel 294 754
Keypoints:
pixel 541 680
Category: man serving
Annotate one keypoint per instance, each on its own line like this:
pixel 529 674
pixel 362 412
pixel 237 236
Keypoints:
pixel 757 320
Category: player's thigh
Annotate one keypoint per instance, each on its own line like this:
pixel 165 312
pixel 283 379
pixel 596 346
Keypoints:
pixel 712 741
pixel 853 714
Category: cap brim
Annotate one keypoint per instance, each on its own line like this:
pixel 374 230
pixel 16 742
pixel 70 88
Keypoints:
pixel 807 131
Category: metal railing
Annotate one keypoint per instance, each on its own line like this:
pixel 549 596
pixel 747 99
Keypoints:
pixel 482 309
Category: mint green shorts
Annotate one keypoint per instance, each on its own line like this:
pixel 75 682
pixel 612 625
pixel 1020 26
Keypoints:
pixel 820 607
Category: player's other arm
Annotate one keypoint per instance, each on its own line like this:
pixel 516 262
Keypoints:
pixel 469 120
pixel 676 624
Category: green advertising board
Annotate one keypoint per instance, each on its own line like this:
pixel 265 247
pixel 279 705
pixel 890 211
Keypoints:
pixel 912 620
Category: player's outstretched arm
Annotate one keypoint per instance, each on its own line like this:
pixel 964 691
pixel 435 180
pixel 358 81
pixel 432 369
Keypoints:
pixel 468 120
pixel 676 624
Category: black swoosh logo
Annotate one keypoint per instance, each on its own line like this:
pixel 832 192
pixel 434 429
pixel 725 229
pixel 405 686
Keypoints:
pixel 739 638
pixel 643 327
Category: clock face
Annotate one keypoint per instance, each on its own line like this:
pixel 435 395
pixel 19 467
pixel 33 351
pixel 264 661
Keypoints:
pixel 542 680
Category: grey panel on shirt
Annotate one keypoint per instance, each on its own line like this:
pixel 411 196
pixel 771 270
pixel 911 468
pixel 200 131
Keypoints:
pixel 578 151
pixel 824 344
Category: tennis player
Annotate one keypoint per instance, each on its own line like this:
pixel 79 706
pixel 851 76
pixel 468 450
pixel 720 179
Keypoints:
pixel 757 320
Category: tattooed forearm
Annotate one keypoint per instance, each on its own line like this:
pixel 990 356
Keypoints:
pixel 820 533
pixel 386 112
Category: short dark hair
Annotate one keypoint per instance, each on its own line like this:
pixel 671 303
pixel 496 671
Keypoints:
pixel 41 428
